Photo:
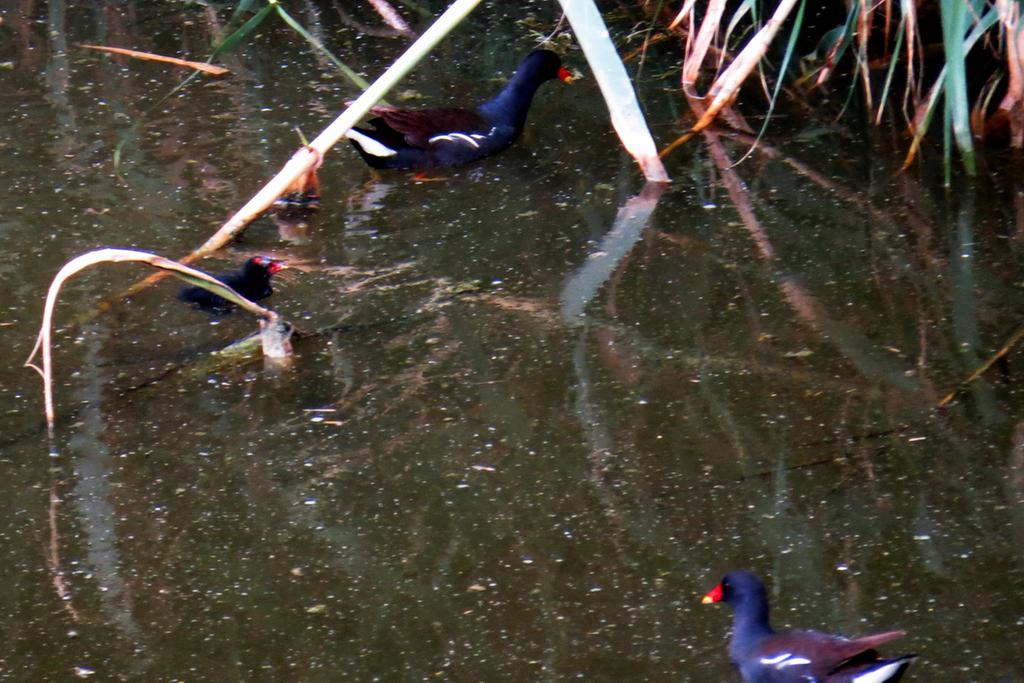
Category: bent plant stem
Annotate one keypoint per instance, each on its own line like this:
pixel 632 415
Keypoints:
pixel 43 341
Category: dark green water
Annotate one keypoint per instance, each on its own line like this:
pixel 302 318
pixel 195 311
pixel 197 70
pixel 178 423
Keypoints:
pixel 535 429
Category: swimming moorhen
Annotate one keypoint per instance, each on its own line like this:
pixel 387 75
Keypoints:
pixel 252 281
pixel 763 655
pixel 430 138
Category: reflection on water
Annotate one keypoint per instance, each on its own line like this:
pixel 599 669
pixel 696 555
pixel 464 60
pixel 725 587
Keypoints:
pixel 537 409
pixel 629 224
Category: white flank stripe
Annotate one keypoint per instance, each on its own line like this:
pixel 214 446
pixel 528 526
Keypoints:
pixel 793 661
pixel 463 136
pixel 782 661
pixel 454 137
pixel 369 145
pixel 879 675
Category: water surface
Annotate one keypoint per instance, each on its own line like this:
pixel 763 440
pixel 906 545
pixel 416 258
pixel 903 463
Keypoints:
pixel 538 410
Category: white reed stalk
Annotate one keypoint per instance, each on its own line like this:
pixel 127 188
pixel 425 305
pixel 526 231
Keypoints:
pixel 610 73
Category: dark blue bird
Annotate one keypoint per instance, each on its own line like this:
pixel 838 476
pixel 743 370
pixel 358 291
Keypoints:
pixel 764 655
pixel 251 281
pixel 430 138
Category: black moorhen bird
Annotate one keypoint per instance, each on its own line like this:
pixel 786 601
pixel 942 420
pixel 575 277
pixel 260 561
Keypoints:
pixel 431 138
pixel 252 281
pixel 763 655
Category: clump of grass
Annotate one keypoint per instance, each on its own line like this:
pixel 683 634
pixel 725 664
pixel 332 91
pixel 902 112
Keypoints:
pixel 977 54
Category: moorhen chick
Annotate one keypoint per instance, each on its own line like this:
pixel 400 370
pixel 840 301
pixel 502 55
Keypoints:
pixel 763 655
pixel 251 281
pixel 450 136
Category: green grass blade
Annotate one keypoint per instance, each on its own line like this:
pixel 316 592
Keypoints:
pixel 954 15
pixel 243 8
pixel 947 143
pixel 958 12
pixel 984 23
pixel 846 31
pixel 922 128
pixel 790 49
pixel 317 45
pixel 893 61
pixel 747 6
pixel 242 31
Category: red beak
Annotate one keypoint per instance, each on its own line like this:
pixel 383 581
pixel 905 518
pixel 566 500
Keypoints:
pixel 713 595
pixel 564 75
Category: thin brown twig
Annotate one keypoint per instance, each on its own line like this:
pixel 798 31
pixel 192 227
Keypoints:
pixel 53 558
pixel 149 56
pixel 984 367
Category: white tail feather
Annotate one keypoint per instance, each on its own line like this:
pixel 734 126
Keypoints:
pixel 883 673
pixel 369 145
